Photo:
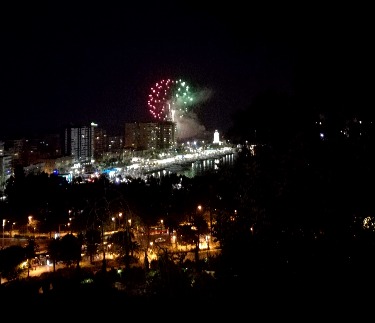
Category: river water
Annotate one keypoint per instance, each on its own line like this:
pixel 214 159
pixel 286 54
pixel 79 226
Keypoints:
pixel 197 167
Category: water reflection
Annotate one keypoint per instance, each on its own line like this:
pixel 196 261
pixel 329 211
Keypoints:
pixel 198 167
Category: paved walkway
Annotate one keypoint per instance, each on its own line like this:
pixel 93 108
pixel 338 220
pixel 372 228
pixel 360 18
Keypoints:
pixel 152 255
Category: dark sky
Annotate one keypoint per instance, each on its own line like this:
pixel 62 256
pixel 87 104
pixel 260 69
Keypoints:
pixel 86 62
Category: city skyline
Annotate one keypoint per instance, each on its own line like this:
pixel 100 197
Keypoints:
pixel 81 64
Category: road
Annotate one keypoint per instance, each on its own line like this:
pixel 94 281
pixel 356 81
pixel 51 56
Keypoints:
pixel 152 255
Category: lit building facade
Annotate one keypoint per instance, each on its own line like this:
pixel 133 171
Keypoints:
pixel 216 137
pixel 5 169
pixel 166 135
pixel 150 135
pixel 79 142
pixel 100 142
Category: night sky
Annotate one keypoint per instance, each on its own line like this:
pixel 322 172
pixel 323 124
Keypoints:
pixel 86 62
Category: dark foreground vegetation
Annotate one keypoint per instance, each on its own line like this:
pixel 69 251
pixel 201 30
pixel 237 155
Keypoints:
pixel 294 218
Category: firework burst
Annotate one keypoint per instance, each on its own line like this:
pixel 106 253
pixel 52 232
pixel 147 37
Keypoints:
pixel 169 99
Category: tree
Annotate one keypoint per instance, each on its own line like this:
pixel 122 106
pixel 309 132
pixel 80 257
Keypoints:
pixel 92 239
pixel 70 247
pixel 165 277
pixel 10 261
pixel 54 251
pixel 30 250
pixel 200 227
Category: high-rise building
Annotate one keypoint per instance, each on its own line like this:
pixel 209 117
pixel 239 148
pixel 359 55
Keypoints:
pixel 100 143
pixel 115 144
pixel 166 135
pixel 150 135
pixel 5 170
pixel 79 142
pixel 139 135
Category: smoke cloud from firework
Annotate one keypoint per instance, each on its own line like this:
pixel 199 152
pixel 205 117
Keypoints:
pixel 188 123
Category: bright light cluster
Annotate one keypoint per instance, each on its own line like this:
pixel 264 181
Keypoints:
pixel 368 223
pixel 169 99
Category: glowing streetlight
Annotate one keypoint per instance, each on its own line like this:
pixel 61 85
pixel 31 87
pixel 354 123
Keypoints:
pixel 11 231
pixel 119 219
pixel 208 242
pixel 114 223
pixel 4 220
pixel 29 223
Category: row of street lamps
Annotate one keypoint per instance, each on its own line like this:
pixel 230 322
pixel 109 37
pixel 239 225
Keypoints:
pixel 3 231
pixel 119 221
pixel 4 222
pixel 30 220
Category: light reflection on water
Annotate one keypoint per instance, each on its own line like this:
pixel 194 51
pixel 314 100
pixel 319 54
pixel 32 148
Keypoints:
pixel 198 167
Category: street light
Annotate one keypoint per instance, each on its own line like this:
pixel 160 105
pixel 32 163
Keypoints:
pixel 4 220
pixel 11 231
pixel 30 222
pixel 119 220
